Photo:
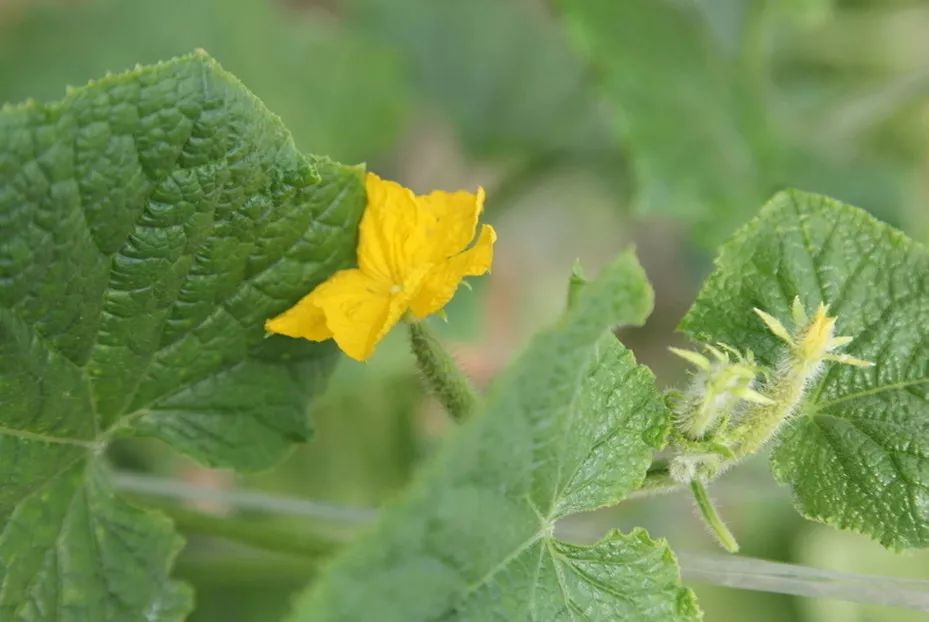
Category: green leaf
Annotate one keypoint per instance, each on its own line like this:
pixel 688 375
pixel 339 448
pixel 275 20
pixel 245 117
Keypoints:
pixel 572 426
pixel 150 222
pixel 857 452
pixel 71 550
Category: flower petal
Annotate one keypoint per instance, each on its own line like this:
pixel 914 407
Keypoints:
pixel 390 218
pixel 305 319
pixel 451 223
pixel 359 311
pixel 402 232
pixel 440 284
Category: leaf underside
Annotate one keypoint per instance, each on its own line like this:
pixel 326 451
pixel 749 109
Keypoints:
pixel 857 452
pixel 572 426
pixel 150 222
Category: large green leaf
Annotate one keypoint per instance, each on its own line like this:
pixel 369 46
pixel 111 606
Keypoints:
pixel 149 223
pixel 857 452
pixel 572 426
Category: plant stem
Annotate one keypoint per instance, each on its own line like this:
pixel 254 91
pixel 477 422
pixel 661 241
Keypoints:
pixel 712 518
pixel 443 376
pixel 236 569
pixel 747 573
pixel 762 421
pixel 260 534
pixel 152 486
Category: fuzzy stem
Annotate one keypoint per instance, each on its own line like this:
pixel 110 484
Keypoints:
pixel 712 518
pixel 446 381
pixel 762 421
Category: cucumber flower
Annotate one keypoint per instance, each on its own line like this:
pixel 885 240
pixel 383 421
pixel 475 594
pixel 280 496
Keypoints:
pixel 413 251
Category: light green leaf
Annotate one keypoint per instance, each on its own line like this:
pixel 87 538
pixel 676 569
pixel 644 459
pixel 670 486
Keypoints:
pixel 572 426
pixel 150 222
pixel 857 453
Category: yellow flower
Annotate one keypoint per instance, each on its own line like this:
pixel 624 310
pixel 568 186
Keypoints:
pixel 413 251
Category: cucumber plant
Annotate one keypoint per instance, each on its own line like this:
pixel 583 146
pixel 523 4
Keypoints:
pixel 151 223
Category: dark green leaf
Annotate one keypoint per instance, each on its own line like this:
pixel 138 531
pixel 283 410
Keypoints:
pixel 150 222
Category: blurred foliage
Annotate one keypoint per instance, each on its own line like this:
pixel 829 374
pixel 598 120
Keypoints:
pixel 237 585
pixel 501 71
pixel 853 87
pixel 717 115
pixel 692 120
pixel 822 547
pixel 339 94
pixel 709 104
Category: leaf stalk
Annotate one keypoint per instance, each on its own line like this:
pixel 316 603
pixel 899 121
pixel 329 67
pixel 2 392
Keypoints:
pixel 711 517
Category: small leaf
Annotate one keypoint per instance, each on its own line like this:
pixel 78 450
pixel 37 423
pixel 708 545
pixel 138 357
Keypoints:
pixel 149 223
pixel 857 452
pixel 572 426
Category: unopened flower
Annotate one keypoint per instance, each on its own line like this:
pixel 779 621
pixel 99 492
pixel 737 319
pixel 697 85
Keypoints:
pixel 722 382
pixel 813 340
pixel 413 251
